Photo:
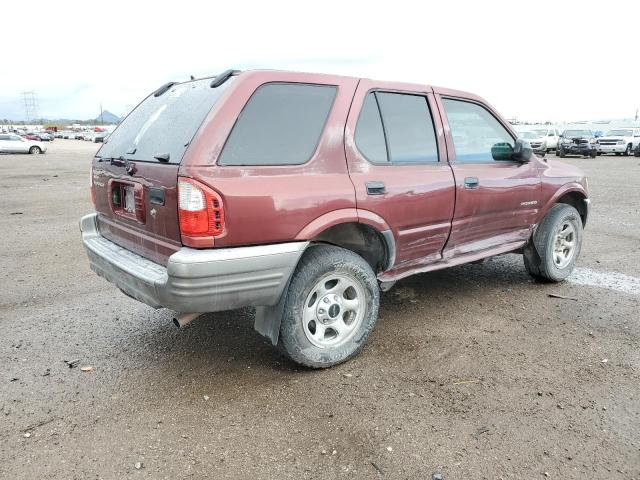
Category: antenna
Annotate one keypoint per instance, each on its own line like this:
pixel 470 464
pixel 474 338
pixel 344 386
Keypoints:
pixel 30 105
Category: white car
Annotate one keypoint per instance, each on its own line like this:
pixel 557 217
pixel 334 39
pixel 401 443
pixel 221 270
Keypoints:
pixel 621 140
pixel 550 134
pixel 12 143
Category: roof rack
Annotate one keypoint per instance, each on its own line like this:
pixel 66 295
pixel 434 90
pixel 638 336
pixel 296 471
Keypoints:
pixel 163 88
pixel 223 77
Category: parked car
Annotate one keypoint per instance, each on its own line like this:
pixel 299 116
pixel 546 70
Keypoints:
pixel 305 195
pixel 636 152
pixel 12 143
pixel 59 135
pixel 621 141
pixel 100 137
pixel 31 136
pixel 79 135
pixel 551 135
pixel 538 143
pixel 577 142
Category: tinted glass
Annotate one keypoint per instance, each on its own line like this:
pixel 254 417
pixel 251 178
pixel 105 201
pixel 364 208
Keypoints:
pixel 369 132
pixel 164 124
pixel 409 127
pixel 4 137
pixel 280 125
pixel 475 131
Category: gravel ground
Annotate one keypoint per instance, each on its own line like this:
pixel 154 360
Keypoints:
pixel 472 372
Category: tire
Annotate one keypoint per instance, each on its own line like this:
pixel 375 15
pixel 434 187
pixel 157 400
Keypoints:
pixel 33 150
pixel 627 152
pixel 313 285
pixel 561 153
pixel 546 259
pixel 593 154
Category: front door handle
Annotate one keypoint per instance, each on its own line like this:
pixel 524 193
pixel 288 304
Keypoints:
pixel 471 182
pixel 376 188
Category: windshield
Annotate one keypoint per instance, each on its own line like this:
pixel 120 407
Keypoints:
pixel 529 135
pixel 620 133
pixel 577 133
pixel 164 124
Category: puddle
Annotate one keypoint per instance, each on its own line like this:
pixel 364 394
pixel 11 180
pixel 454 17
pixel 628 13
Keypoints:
pixel 609 280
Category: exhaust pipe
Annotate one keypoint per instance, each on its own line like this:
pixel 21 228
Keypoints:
pixel 183 319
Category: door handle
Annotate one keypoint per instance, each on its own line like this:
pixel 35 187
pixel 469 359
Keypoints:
pixel 471 182
pixel 376 188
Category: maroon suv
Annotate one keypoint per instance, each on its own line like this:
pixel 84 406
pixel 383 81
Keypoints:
pixel 305 195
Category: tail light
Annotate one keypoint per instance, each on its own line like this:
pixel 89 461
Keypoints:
pixel 201 213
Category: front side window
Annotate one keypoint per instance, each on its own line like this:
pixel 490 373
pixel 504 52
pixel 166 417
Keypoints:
pixel 281 124
pixel 396 128
pixel 477 135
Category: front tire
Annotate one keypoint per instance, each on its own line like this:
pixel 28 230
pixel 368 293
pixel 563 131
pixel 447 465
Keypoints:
pixel 34 150
pixel 330 309
pixel 627 152
pixel 561 153
pixel 552 252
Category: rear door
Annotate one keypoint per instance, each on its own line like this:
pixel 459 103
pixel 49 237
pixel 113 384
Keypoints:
pixel 497 201
pixel 135 172
pixel 397 163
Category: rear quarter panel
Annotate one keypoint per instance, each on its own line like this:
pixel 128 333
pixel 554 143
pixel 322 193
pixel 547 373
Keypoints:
pixel 270 204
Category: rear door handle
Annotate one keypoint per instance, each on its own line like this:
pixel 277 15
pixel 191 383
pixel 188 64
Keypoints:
pixel 471 182
pixel 376 188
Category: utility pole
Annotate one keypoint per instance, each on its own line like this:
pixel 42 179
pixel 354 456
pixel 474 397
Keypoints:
pixel 101 119
pixel 30 105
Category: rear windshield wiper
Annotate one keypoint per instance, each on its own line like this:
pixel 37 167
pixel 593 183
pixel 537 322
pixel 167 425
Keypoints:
pixel 162 157
pixel 118 161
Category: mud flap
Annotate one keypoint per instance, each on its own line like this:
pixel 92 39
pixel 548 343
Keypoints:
pixel 268 318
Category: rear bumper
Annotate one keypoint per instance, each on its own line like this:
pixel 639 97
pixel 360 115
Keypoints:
pixel 195 280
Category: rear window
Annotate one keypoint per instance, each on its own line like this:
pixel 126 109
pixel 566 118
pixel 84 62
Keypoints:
pixel 280 125
pixel 164 124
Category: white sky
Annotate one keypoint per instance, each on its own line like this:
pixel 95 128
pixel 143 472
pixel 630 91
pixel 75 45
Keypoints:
pixel 537 60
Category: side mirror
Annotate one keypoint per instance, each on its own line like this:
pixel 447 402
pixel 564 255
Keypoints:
pixel 502 151
pixel 522 151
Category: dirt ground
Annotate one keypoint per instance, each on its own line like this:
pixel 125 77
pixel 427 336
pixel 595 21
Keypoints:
pixel 472 373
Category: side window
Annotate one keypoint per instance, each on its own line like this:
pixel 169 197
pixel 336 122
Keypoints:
pixel 369 132
pixel 280 125
pixel 4 137
pixel 477 135
pixel 396 127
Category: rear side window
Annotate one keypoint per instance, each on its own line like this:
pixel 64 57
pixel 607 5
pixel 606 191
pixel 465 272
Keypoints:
pixel 477 134
pixel 397 128
pixel 281 124
pixel 164 124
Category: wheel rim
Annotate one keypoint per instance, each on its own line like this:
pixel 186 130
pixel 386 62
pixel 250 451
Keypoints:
pixel 564 245
pixel 333 310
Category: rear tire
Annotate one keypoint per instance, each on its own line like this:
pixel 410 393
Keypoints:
pixel 552 251
pixel 593 154
pixel 330 309
pixel 33 150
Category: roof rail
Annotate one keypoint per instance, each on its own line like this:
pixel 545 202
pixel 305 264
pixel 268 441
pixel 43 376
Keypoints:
pixel 163 88
pixel 223 77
